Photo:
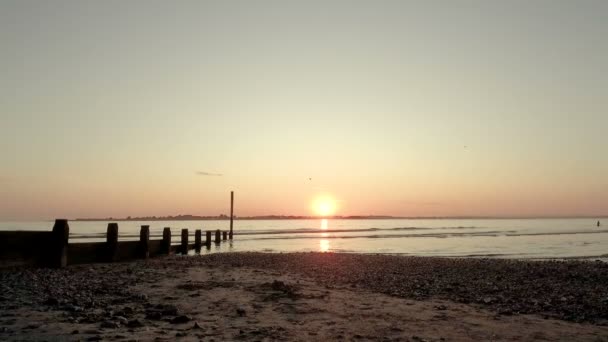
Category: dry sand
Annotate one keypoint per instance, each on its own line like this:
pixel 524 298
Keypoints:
pixel 189 298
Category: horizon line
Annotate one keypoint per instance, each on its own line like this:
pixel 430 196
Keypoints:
pixel 189 217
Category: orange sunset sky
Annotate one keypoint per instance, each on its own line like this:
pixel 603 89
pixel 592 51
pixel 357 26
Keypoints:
pixel 408 108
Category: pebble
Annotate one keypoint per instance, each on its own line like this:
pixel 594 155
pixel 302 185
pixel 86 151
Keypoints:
pixel 154 315
pixel 121 319
pixel 109 325
pixel 51 301
pixel 181 319
pixel 168 310
pixel 135 324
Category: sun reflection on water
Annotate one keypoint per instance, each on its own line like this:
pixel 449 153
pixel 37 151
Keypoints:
pixel 324 243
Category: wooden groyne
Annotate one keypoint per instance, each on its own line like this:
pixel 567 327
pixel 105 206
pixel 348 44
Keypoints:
pixel 52 249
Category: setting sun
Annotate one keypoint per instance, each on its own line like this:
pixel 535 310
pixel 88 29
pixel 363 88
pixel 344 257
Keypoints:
pixel 324 206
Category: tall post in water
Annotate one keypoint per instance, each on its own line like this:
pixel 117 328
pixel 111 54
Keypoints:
pixel 184 247
pixel 231 211
pixel 166 243
pixel 112 242
pixel 208 239
pixel 59 244
pixel 218 237
pixel 144 241
pixel 197 240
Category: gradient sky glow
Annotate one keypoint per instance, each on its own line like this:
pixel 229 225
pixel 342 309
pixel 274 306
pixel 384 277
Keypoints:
pixel 116 108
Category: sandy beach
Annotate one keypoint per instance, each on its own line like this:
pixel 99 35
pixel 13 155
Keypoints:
pixel 307 297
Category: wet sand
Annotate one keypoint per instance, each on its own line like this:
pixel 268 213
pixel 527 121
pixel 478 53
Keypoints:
pixel 307 297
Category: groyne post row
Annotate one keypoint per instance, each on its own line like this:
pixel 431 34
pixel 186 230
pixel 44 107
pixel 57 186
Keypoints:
pixel 52 249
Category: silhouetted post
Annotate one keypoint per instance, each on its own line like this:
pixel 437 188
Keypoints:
pixel 184 241
pixel 59 244
pixel 231 212
pixel 217 237
pixel 144 242
pixel 224 235
pixel 208 239
pixel 197 240
pixel 166 243
pixel 112 242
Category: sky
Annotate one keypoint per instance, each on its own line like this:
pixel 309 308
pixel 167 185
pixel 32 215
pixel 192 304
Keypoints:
pixel 409 108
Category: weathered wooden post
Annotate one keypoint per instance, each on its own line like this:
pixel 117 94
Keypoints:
pixel 231 211
pixel 224 235
pixel 144 242
pixel 184 247
pixel 166 243
pixel 208 239
pixel 197 240
pixel 112 242
pixel 217 237
pixel 59 244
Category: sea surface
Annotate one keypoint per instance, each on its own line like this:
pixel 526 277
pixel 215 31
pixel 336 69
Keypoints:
pixel 496 238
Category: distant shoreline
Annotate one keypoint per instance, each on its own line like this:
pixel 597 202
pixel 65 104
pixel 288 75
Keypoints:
pixel 353 217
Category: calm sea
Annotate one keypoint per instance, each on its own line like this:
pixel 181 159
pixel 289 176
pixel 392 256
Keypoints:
pixel 501 238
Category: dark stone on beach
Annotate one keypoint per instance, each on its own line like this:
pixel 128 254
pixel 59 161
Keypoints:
pixel 51 301
pixel 181 334
pixel 75 332
pixel 73 308
pixel 109 325
pixel 121 319
pixel 505 311
pixel 154 315
pixel 92 331
pixel 196 326
pixel 135 324
pixel 241 312
pixel 441 307
pixel 140 296
pixel 278 285
pixel 94 338
pixel 181 319
pixel 168 309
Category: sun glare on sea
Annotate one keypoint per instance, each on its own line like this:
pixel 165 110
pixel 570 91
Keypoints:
pixel 324 206
pixel 324 245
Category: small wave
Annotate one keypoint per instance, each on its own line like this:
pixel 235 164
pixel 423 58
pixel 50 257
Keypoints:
pixel 560 233
pixel 343 230
pixel 382 236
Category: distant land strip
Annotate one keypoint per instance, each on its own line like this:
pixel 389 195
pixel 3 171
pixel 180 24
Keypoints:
pixel 226 217
pixel 334 217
